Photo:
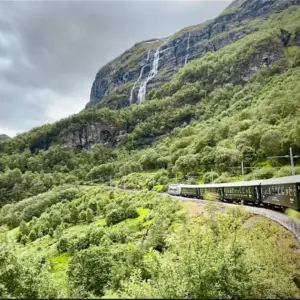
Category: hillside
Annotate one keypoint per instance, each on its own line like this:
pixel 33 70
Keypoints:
pixel 211 96
pixel 150 64
pixel 95 242
pixel 3 137
pixel 239 103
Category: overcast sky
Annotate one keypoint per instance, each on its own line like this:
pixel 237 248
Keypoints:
pixel 50 51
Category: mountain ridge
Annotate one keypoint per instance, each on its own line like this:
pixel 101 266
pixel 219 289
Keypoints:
pixel 210 36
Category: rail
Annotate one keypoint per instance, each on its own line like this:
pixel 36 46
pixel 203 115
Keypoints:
pixel 281 218
pixel 276 216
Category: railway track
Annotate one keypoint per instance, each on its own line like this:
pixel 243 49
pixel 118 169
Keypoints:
pixel 276 216
pixel 279 217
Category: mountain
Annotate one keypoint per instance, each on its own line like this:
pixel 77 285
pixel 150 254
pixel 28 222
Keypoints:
pixel 238 101
pixel 213 97
pixel 251 40
pixel 152 63
pixel 4 137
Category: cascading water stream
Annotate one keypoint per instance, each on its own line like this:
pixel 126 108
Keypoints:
pixel 139 78
pixel 187 49
pixel 151 75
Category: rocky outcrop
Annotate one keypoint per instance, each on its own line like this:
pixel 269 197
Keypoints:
pixel 197 40
pixel 89 135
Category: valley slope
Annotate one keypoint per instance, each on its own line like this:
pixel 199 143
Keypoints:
pixel 220 93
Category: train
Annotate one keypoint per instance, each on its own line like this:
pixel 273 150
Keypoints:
pixel 275 193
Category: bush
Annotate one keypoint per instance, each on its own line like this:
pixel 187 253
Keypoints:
pixel 263 173
pixel 115 216
pixel 209 177
pixel 89 271
pixel 63 244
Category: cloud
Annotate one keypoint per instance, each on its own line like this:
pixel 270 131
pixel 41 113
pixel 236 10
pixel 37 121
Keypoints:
pixel 50 51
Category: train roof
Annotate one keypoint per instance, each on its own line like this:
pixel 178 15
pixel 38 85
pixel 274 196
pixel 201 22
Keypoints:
pixel 282 180
pixel 218 185
pixel 241 183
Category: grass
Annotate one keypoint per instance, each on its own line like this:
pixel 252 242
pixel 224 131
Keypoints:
pixel 134 225
pixel 101 223
pixel 59 266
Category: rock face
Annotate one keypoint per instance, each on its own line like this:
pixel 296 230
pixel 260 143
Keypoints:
pixel 130 70
pixel 4 137
pixel 89 135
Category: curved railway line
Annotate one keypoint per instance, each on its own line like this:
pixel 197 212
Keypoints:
pixel 276 216
pixel 279 217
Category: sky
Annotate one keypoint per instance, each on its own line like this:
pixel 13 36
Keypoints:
pixel 50 51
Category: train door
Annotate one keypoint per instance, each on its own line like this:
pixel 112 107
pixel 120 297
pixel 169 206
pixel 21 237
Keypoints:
pixel 221 193
pixel 298 195
pixel 257 194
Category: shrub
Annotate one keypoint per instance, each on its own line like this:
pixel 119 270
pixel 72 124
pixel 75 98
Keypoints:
pixel 115 216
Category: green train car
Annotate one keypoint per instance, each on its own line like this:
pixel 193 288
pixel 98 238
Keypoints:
pixel 281 192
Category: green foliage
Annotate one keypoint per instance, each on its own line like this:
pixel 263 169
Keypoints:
pixel 209 177
pixel 271 142
pixel 101 173
pixel 117 215
pixel 13 214
pixel 24 277
pixel 89 271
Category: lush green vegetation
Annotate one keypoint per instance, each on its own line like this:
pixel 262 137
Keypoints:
pixel 204 122
pixel 61 237
pixel 110 243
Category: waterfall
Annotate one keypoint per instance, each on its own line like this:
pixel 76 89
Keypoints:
pixel 187 49
pixel 139 78
pixel 151 75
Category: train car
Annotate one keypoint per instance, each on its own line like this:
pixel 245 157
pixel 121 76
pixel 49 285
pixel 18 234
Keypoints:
pixel 281 192
pixel 189 190
pixel 199 191
pixel 174 189
pixel 246 191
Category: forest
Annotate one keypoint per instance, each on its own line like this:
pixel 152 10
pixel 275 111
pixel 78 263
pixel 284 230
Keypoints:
pixel 98 242
pixel 91 223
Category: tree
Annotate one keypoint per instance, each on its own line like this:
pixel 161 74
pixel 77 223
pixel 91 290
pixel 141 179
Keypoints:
pixel 24 277
pixel 89 271
pixel 24 228
pixel 187 163
pixel 270 142
pixel 89 215
pixel 101 172
pixel 226 158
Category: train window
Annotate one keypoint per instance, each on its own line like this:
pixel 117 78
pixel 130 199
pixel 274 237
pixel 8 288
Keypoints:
pixel 282 190
pixel 286 189
pixel 292 191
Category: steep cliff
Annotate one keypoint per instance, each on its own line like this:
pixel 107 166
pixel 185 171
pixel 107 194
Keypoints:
pixel 196 74
pixel 149 64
